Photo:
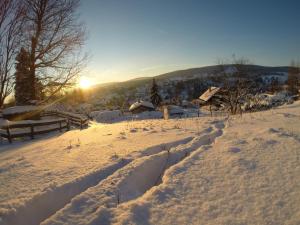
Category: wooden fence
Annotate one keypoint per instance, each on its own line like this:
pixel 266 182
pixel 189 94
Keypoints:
pixel 35 127
pixel 74 119
pixel 12 129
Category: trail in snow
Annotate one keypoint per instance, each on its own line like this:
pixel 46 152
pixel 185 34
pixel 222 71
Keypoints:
pixel 129 182
pixel 45 204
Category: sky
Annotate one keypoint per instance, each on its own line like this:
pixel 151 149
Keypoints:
pixel 137 38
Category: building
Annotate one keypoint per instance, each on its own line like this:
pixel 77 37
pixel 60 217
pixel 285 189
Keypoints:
pixel 207 96
pixel 141 106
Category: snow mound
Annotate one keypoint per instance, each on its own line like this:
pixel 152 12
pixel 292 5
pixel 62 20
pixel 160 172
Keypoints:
pixel 149 115
pixel 106 116
pixel 20 109
pixel 175 110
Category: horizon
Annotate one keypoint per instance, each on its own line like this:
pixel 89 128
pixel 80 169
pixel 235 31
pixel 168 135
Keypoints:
pixel 156 75
pixel 144 39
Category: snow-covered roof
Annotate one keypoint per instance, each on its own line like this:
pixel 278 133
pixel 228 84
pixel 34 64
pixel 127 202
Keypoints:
pixel 19 109
pixel 209 93
pixel 141 103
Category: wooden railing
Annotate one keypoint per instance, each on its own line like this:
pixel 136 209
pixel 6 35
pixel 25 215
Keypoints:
pixel 29 128
pixel 74 119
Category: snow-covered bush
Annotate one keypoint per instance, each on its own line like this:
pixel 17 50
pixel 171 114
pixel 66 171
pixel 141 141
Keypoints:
pixel 266 101
pixel 84 108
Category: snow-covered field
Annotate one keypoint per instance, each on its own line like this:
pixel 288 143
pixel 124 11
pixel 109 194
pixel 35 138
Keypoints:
pixel 207 170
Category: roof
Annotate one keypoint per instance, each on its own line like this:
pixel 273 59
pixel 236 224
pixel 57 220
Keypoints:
pixel 141 103
pixel 209 93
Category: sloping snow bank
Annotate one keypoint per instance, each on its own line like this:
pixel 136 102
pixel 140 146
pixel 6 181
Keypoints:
pixel 250 176
pixel 148 115
pixel 46 203
pixel 128 183
pixel 118 116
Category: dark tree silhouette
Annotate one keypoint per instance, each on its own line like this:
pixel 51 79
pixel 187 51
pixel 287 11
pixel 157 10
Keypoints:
pixel 236 91
pixel 155 97
pixel 23 91
pixel 53 37
pixel 293 80
pixel 11 24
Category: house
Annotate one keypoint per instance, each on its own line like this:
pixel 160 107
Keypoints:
pixel 141 106
pixel 213 96
pixel 209 94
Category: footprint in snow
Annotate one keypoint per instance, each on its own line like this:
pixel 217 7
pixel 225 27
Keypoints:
pixel 133 130
pixel 234 150
pixel 247 164
pixel 271 142
pixel 122 137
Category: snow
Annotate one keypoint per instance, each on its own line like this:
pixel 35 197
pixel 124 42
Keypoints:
pixel 281 77
pixel 148 115
pixel 117 116
pixel 231 70
pixel 19 109
pixel 175 110
pixel 141 103
pixel 260 101
pixel 207 170
pixel 106 116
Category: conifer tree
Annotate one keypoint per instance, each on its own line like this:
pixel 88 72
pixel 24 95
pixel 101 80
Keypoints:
pixel 155 97
pixel 23 89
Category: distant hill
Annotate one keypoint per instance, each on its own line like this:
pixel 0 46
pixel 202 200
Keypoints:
pixel 185 84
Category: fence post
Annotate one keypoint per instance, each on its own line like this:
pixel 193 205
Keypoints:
pixel 31 131
pixel 80 124
pixel 8 134
pixel 59 126
pixel 68 124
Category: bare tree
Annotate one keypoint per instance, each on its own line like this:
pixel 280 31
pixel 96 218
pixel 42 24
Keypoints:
pixel 236 85
pixel 11 21
pixel 293 80
pixel 54 39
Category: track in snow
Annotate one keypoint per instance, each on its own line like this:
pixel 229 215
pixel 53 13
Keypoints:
pixel 128 183
pixel 45 204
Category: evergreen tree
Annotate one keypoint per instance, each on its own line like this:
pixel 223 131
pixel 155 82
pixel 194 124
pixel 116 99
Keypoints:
pixel 155 97
pixel 23 89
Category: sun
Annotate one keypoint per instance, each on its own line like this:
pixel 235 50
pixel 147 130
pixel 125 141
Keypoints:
pixel 84 83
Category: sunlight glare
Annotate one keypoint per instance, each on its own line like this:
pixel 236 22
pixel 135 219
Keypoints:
pixel 84 83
